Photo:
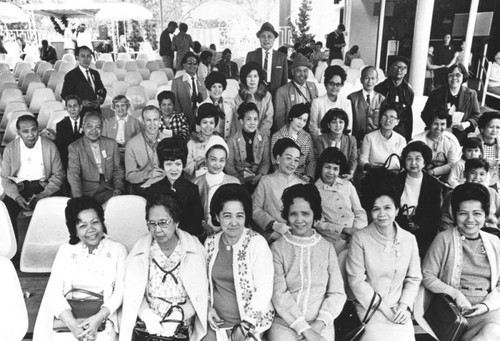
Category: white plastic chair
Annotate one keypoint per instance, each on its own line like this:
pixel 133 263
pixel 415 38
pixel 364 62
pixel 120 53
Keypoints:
pixel 231 89
pixel 145 73
pixel 357 63
pixel 152 65
pixel 131 65
pixel 69 57
pixel 141 63
pixel 31 90
pixel 66 67
pixel 120 74
pixel 46 110
pixel 123 56
pixel 7 77
pixel 169 72
pixel 339 62
pixel 11 107
pixel 13 313
pixel 120 87
pixel 108 78
pixel 54 79
pixel 20 66
pixel 150 87
pixel 125 217
pixel 108 66
pixel 159 77
pixel 137 96
pixel 120 63
pixel 4 67
pixel 55 118
pixel 46 233
pixel 142 56
pixel 133 78
pixel 421 303
pixel 46 75
pixel 39 96
pixel 10 95
pixel 42 67
pixel 28 79
pixel 106 57
pixel 8 244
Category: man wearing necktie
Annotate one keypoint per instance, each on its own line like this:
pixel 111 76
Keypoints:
pixel 273 63
pixel 84 82
pixel 366 105
pixel 68 129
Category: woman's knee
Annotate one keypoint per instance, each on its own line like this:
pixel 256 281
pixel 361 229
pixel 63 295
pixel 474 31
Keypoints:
pixel 491 331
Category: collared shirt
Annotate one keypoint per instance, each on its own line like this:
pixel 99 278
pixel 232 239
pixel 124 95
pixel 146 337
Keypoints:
pixel 269 63
pixel 77 121
pixel 96 151
pixel 31 162
pixel 120 132
pixel 84 71
pixel 305 91
pixel 365 95
pixel 187 78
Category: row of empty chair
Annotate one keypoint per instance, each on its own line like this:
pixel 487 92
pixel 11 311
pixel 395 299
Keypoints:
pixel 47 231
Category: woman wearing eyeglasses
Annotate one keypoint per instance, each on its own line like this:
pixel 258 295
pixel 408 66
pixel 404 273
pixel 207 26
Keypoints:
pixel 166 267
pixel 380 144
pixel 335 77
pixel 455 98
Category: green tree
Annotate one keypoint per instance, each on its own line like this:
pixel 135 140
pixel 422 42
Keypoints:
pixel 301 26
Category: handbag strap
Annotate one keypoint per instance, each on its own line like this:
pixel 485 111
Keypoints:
pixel 239 327
pixel 388 161
pixel 170 311
pixel 85 291
pixel 373 308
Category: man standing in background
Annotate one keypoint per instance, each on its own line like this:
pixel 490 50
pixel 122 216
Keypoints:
pixel 166 52
pixel 335 41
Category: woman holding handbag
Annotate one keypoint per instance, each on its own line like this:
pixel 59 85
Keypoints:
pixel 464 263
pixel 308 286
pixel 383 258
pixel 240 270
pixel 166 279
pixel 91 267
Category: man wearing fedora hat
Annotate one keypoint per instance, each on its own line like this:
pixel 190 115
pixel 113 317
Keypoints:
pixel 398 91
pixel 299 90
pixel 273 63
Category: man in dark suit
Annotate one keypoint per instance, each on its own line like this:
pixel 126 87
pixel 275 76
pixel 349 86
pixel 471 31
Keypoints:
pixel 273 63
pixel 166 52
pixel 228 67
pixel 85 82
pixel 94 163
pixel 47 52
pixel 335 41
pixel 69 129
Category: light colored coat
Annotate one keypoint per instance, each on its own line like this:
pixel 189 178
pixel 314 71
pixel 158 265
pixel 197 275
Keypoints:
pixel 229 108
pixel 253 272
pixel 83 174
pixel 11 163
pixel 192 272
pixel 131 128
pixel 286 97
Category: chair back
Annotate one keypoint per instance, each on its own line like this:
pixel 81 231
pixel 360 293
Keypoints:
pixel 8 243
pixel 47 231
pixel 125 217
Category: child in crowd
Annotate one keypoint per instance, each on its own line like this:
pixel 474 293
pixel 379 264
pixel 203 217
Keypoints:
pixel 489 126
pixel 172 123
pixel 267 196
pixel 476 171
pixel 335 134
pixel 216 84
pixel 472 149
pixel 123 126
pixel 342 211
pixel 206 120
pixel 215 177
pixel 294 129
pixel 249 156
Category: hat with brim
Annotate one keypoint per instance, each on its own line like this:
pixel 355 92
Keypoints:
pixel 267 27
pixel 300 60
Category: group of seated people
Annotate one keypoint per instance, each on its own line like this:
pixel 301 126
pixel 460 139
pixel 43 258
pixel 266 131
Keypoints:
pixel 279 184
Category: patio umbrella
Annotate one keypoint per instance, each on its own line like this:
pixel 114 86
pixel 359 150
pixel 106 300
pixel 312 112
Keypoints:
pixel 123 11
pixel 10 13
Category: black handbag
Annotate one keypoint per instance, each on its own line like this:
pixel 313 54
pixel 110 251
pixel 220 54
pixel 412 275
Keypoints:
pixel 348 326
pixel 445 319
pixel 238 334
pixel 181 333
pixel 81 309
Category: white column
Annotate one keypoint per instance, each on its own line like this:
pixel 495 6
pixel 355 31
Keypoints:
pixel 380 32
pixel 421 35
pixel 470 32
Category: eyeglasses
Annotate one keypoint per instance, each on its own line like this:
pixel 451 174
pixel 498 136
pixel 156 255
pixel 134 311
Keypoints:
pixel 455 75
pixel 402 68
pixel 162 223
pixel 338 85
pixel 389 118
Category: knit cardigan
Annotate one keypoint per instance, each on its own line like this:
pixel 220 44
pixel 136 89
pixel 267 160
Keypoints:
pixel 253 273
pixel 442 266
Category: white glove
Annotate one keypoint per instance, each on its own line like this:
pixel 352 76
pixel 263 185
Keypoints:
pixel 280 228
pixel 152 322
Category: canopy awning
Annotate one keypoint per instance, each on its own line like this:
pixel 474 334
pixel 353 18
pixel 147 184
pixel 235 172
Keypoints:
pixel 10 13
pixel 69 10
